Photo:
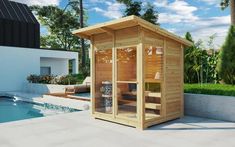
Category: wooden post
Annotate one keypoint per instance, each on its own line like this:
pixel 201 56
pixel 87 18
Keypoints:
pixel 182 80
pixel 92 72
pixel 140 81
pixel 114 76
pixel 163 98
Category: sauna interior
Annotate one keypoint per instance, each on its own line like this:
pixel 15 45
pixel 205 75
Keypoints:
pixel 136 71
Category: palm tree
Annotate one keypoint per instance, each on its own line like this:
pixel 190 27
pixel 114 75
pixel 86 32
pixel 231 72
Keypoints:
pixel 225 3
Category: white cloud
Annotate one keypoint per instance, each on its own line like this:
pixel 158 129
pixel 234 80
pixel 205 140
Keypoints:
pixel 205 27
pixel 176 18
pixel 209 26
pixel 214 21
pixel 204 34
pixel 176 12
pixel 212 2
pixel 39 2
pixel 180 17
pixel 113 10
pixel 161 3
pixel 181 7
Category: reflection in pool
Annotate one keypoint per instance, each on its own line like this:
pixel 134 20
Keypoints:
pixel 12 109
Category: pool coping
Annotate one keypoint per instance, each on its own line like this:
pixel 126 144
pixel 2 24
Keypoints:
pixel 69 96
pixel 36 98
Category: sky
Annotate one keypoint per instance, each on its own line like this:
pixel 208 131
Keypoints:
pixel 202 18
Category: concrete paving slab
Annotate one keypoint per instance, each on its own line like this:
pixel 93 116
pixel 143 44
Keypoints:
pixel 80 129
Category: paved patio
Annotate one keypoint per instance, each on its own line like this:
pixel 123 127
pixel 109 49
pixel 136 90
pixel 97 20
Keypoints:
pixel 79 129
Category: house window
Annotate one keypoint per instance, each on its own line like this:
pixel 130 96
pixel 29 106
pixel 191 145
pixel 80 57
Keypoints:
pixel 45 70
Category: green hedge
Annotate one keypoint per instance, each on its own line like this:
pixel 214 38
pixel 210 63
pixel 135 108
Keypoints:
pixel 211 89
pixel 60 80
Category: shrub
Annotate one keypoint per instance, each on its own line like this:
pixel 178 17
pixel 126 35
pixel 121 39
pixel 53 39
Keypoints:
pixel 211 89
pixel 50 79
pixel 68 80
pixel 46 79
pixel 226 65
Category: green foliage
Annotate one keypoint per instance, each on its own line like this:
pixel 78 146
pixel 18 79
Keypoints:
pixel 50 41
pixel 70 79
pixel 224 4
pixel 189 37
pixel 211 89
pixel 199 65
pixel 85 71
pixel 135 8
pixel 226 66
pixel 192 58
pixel 150 14
pixel 46 79
pixel 126 2
pixel 60 23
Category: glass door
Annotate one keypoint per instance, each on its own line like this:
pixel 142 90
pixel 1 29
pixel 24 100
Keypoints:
pixel 126 91
pixel 103 81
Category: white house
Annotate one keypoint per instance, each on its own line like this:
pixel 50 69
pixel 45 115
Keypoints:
pixel 20 52
pixel 18 63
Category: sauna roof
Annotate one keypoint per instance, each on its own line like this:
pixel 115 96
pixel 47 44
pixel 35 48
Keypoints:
pixel 126 22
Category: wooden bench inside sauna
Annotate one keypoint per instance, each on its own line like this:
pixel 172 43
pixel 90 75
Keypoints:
pixel 137 72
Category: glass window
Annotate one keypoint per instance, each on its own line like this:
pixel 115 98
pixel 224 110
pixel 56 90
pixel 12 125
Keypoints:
pixel 126 64
pixel 45 71
pixel 153 78
pixel 103 81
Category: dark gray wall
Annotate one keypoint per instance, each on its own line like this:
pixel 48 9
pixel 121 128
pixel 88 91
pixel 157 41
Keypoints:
pixel 18 25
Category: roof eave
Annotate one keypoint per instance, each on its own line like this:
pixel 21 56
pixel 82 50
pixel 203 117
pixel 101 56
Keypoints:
pixel 82 32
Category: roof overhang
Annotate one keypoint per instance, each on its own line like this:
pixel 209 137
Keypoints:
pixel 125 22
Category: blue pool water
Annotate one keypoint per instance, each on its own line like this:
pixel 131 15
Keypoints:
pixel 12 110
pixel 84 94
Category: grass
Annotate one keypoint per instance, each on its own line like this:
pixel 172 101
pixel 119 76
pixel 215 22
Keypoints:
pixel 210 89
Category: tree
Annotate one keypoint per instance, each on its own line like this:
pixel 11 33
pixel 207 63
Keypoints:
pixel 226 65
pixel 189 37
pixel 135 8
pixel 191 64
pixel 150 14
pixel 199 65
pixel 60 23
pixel 211 61
pixel 82 40
pixel 224 4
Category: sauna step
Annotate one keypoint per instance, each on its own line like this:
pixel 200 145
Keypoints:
pixel 153 94
pixel 147 93
pixel 153 106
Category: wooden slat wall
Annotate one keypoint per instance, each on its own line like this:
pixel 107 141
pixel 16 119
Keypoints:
pixel 123 38
pixel 173 79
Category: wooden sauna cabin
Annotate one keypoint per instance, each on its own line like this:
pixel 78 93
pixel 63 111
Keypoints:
pixel 136 71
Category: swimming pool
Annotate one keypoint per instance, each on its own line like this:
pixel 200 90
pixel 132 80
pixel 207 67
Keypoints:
pixel 84 94
pixel 12 109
